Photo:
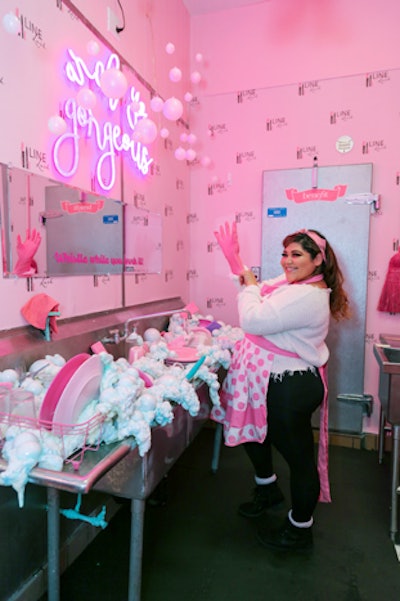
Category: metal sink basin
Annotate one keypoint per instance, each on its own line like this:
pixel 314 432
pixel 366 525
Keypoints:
pixel 387 354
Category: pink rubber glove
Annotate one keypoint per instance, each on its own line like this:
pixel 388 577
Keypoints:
pixel 26 265
pixel 228 240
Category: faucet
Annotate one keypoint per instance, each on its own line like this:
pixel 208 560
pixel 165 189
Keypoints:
pixel 134 320
pixel 114 337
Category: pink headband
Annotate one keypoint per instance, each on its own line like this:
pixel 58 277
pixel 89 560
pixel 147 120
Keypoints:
pixel 320 242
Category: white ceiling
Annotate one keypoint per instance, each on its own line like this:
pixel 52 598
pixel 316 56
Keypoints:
pixel 198 7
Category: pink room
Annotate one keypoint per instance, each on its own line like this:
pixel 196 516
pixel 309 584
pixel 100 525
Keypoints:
pixel 200 326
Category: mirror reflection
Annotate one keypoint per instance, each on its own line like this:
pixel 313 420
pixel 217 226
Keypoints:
pixel 51 229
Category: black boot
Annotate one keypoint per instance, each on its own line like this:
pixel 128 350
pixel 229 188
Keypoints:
pixel 287 538
pixel 266 496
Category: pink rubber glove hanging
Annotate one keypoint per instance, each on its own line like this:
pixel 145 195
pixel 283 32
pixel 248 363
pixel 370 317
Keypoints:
pixel 26 264
pixel 228 240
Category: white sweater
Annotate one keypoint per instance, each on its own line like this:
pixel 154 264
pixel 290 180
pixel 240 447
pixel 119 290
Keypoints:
pixel 294 317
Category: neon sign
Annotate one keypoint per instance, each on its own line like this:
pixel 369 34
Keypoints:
pixel 110 139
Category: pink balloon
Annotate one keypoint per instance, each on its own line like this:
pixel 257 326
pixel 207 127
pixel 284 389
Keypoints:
pixel 113 83
pixel 192 139
pixel 191 154
pixel 170 48
pixel 199 57
pixel 175 74
pixel 180 153
pixel 195 77
pixel 188 97
pixel 164 132
pixel 172 109
pixel 146 131
pixel 86 98
pixel 183 137
pixel 156 104
pixel 57 125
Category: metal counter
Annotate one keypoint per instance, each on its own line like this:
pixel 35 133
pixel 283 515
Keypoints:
pixel 387 354
pixel 119 470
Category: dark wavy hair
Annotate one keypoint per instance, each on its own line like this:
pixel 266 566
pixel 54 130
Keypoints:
pixel 333 276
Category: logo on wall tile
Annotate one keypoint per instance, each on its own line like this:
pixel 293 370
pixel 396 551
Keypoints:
pixel 31 31
pixel 373 275
pixel 244 216
pixel 155 169
pixel 373 146
pixel 169 275
pixel 217 129
pixel 211 246
pixel 376 77
pixel 217 188
pixel 33 157
pixel 179 184
pixel 308 87
pixel 168 144
pixel 179 245
pixel 275 123
pixel 168 211
pixel 245 157
pixel 340 116
pixel 140 278
pixel 306 151
pixel 139 200
pixel 370 338
pixel 192 218
pixel 192 274
pixel 246 95
pixel 215 302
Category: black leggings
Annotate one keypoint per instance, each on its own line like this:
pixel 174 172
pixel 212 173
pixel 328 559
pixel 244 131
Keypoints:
pixel 291 403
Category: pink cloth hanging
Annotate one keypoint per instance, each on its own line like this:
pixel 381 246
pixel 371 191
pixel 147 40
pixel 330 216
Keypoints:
pixel 389 300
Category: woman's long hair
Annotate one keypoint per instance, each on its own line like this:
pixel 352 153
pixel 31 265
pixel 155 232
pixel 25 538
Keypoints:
pixel 339 301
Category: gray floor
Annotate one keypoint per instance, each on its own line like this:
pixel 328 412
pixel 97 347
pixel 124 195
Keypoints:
pixel 197 548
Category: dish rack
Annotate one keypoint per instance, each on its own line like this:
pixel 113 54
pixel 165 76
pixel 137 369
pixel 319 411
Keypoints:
pixel 76 439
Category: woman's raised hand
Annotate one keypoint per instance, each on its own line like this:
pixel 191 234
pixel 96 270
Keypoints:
pixel 228 240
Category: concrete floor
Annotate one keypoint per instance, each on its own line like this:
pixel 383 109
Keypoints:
pixel 197 548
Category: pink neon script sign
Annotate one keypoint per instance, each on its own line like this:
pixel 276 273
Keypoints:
pixel 109 138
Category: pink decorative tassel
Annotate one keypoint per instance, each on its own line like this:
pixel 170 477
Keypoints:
pixel 390 296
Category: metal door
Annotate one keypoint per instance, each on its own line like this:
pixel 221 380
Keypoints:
pixel 330 200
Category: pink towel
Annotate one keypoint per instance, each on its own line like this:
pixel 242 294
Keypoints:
pixel 37 309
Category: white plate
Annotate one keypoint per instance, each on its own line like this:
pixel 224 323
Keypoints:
pixel 82 388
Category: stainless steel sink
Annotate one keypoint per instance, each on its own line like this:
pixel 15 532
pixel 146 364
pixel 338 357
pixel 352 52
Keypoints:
pixel 387 353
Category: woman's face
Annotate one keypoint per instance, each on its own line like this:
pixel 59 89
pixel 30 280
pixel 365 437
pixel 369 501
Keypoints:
pixel 297 263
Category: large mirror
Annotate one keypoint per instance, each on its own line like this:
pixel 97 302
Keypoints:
pixel 51 229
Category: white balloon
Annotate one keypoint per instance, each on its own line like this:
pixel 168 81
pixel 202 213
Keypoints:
pixel 172 109
pixel 11 23
pixel 192 139
pixel 170 48
pixel 183 137
pixel 180 153
pixel 93 47
pixel 199 57
pixel 195 77
pixel 175 74
pixel 188 97
pixel 191 154
pixel 164 132
pixel 57 125
pixel 146 131
pixel 86 98
pixel 156 104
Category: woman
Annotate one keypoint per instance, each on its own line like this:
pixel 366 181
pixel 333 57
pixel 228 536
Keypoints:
pixel 277 379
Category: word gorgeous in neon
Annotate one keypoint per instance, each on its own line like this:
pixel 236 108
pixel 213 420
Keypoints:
pixel 110 138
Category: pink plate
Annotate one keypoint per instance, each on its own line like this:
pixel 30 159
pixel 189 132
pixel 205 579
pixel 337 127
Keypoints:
pixel 83 387
pixel 184 354
pixel 57 386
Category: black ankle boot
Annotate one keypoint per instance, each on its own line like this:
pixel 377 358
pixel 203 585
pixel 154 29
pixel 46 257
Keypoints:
pixel 287 538
pixel 266 496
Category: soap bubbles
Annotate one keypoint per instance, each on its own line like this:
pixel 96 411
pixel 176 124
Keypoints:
pixel 172 109
pixel 11 23
pixel 113 83
pixel 57 125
